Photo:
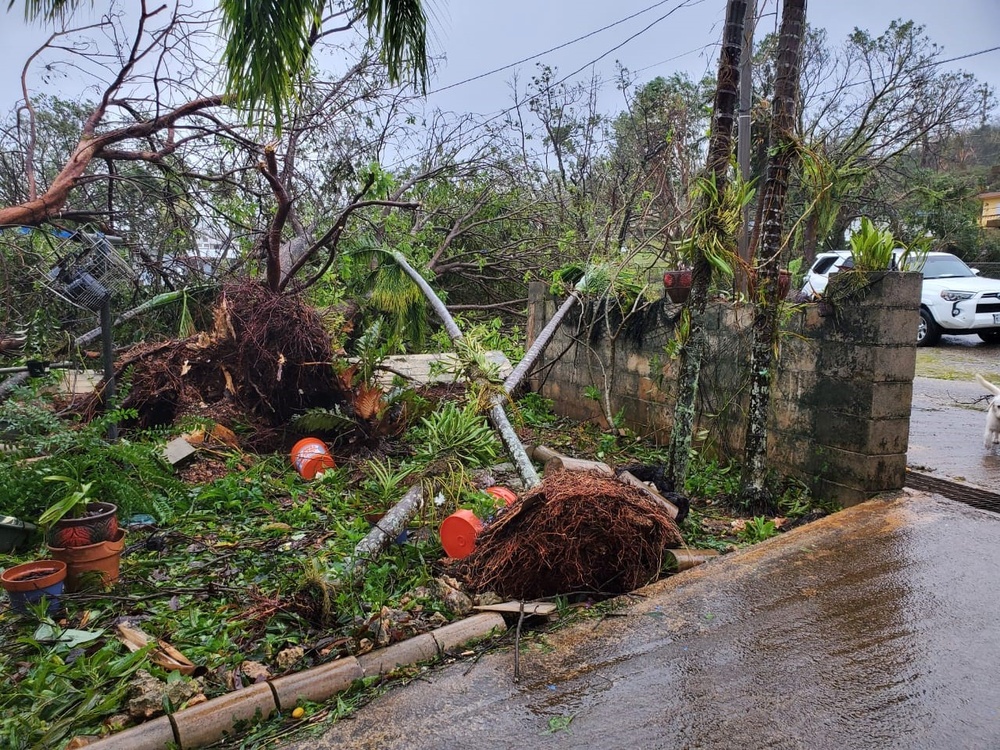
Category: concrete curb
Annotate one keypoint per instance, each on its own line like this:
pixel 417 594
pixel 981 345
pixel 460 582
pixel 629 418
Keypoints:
pixel 207 722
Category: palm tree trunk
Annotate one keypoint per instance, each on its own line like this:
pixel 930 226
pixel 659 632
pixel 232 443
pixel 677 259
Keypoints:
pixel 720 149
pixel 764 334
pixel 515 449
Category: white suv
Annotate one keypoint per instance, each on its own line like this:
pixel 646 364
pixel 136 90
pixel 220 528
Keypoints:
pixel 953 298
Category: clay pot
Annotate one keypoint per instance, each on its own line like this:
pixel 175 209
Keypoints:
pixel 92 565
pixel 506 494
pixel 677 285
pixel 100 525
pixel 311 458
pixel 27 583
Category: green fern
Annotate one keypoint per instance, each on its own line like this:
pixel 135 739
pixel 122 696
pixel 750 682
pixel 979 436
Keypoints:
pixel 323 420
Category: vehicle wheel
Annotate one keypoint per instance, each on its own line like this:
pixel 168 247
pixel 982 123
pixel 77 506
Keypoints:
pixel 928 332
pixel 990 337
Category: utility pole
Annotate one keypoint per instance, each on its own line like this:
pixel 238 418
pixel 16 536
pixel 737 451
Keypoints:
pixel 743 138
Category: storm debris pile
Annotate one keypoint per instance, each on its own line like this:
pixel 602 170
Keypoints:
pixel 576 532
pixel 267 355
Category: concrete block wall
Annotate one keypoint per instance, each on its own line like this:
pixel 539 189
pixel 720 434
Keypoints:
pixel 841 392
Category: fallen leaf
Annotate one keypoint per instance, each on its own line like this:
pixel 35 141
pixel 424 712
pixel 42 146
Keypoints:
pixel 229 381
pixel 186 367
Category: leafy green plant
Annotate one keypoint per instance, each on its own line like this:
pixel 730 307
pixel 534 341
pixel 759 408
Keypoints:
pixel 72 504
pixel 758 529
pixel 459 433
pixel 872 247
pixel 536 410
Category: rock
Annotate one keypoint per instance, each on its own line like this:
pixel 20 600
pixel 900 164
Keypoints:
pixel 487 598
pixel 117 722
pixel 81 741
pixel 437 620
pixel 254 671
pixel 147 694
pixel 290 657
pixel 387 626
pixel 455 600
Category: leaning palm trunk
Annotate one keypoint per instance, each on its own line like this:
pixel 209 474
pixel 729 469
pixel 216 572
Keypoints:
pixel 720 149
pixel 498 416
pixel 764 334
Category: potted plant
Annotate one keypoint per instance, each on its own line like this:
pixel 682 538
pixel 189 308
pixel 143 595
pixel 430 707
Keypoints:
pixel 91 565
pixel 14 533
pixel 677 285
pixel 75 519
pixel 27 583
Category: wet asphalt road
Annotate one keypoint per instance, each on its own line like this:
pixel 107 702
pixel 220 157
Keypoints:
pixel 946 425
pixel 866 630
pixel 878 627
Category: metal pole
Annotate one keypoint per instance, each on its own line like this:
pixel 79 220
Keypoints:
pixel 107 346
pixel 743 133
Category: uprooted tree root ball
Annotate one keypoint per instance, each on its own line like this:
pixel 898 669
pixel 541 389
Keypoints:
pixel 577 532
pixel 268 354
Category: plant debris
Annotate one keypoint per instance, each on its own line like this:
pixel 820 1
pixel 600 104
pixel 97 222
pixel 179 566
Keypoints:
pixel 268 355
pixel 577 532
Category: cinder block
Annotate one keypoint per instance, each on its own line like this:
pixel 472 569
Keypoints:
pixel 411 651
pixel 461 632
pixel 868 473
pixel 869 436
pixel 208 722
pixel 154 734
pixel 842 493
pixel 316 684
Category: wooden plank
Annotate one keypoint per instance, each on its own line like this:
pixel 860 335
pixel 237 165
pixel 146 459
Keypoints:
pixel 656 497
pixel 514 607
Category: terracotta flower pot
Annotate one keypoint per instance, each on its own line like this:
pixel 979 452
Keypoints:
pixel 96 564
pixel 506 494
pixel 458 533
pixel 677 285
pixel 27 583
pixel 99 525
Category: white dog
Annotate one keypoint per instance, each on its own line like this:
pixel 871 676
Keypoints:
pixel 992 435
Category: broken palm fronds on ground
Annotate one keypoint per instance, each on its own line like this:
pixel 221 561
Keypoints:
pixel 576 533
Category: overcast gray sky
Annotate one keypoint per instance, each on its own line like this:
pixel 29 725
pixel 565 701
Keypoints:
pixel 476 36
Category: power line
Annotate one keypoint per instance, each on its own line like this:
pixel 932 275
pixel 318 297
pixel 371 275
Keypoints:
pixel 922 66
pixel 551 50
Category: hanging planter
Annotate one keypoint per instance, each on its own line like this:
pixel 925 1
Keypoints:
pixel 677 285
pixel 27 583
pixel 92 565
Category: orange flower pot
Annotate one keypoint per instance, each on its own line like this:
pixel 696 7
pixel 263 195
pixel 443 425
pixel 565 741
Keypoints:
pixel 458 533
pixel 96 564
pixel 311 458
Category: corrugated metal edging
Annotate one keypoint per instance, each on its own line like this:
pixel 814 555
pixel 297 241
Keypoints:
pixel 970 494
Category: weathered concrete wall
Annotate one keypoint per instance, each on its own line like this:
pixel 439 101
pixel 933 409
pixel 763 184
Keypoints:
pixel 841 408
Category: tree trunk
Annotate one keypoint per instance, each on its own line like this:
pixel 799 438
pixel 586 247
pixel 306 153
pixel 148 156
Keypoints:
pixel 720 149
pixel 764 334
pixel 497 414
